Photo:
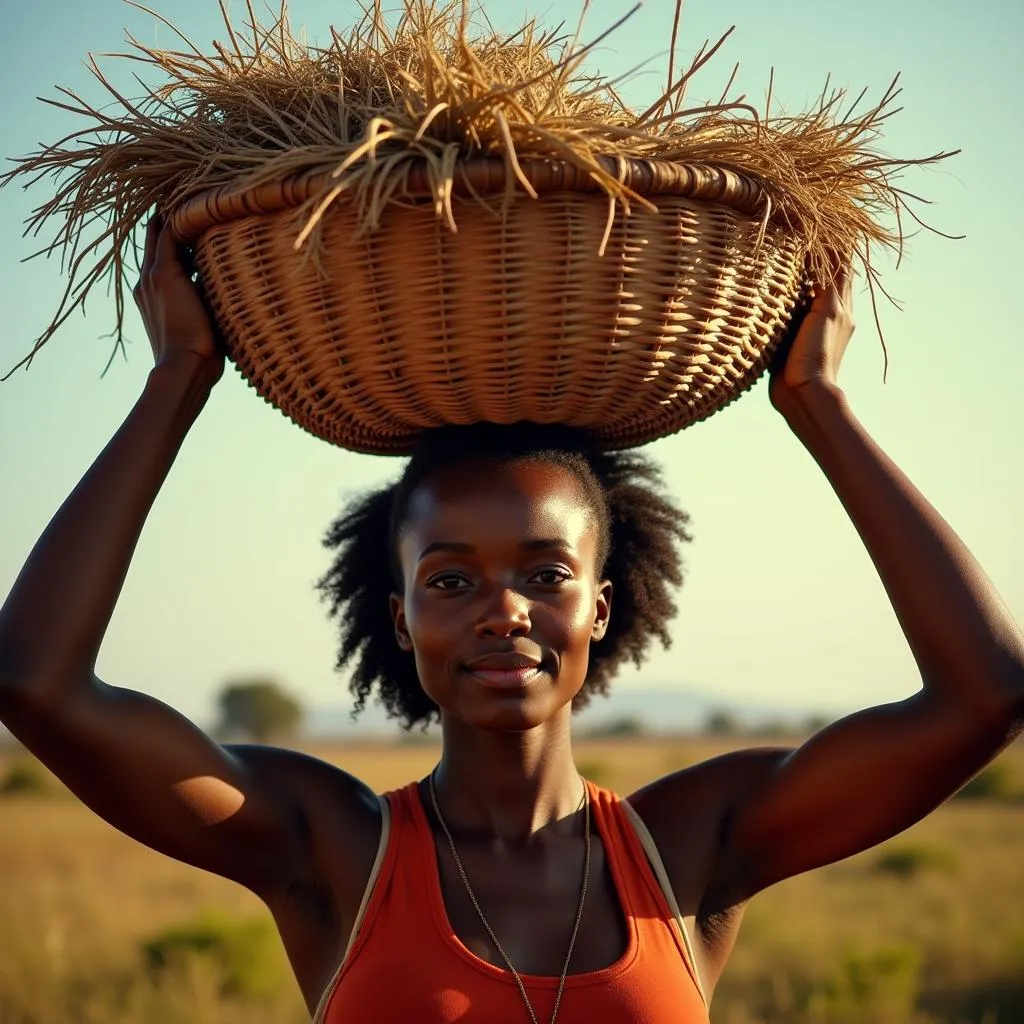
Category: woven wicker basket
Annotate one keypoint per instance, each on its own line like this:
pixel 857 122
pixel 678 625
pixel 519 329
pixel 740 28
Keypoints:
pixel 515 317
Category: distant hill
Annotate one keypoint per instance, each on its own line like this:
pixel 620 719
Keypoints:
pixel 665 709
pixel 660 709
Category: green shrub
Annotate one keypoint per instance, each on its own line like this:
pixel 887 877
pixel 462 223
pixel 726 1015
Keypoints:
pixel 996 782
pixel 26 777
pixel 880 986
pixel 245 953
pixel 597 771
pixel 1015 952
pixel 995 995
pixel 908 861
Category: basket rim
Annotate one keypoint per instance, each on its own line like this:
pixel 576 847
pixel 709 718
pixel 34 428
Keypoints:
pixel 479 176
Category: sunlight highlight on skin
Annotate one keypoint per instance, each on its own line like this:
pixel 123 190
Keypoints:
pixel 212 800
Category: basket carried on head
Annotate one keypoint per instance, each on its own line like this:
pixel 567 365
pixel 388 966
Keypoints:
pixel 410 228
pixel 519 316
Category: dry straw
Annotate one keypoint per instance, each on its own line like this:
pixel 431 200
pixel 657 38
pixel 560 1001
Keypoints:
pixel 437 87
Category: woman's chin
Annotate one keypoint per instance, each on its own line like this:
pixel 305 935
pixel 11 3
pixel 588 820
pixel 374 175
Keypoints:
pixel 512 711
pixel 490 707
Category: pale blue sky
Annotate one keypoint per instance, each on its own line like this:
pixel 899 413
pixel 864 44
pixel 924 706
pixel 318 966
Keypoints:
pixel 781 602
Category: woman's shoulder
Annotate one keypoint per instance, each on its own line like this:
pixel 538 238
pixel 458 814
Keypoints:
pixel 702 793
pixel 339 814
pixel 687 811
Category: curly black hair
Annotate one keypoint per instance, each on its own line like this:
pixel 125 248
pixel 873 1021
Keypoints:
pixel 641 530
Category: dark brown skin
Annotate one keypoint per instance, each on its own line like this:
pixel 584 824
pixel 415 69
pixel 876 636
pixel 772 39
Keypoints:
pixel 302 834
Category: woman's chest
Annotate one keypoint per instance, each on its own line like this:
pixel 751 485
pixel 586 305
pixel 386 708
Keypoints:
pixel 430 952
pixel 532 910
pixel 387 994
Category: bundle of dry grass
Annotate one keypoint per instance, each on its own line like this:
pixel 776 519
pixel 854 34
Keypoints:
pixel 361 114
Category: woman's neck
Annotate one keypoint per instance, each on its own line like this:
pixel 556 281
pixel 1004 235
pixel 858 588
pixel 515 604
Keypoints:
pixel 508 785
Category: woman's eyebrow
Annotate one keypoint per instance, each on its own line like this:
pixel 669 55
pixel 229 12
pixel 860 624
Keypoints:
pixel 450 546
pixel 545 543
pixel 453 547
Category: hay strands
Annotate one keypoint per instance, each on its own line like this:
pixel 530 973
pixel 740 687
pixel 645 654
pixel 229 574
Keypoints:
pixel 431 90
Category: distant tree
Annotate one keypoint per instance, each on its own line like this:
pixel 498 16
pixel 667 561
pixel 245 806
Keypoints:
pixel 769 728
pixel 27 777
pixel 622 727
pixel 258 709
pixel 722 723
pixel 815 723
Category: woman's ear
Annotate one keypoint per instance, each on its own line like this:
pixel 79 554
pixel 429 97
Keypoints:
pixel 401 627
pixel 602 610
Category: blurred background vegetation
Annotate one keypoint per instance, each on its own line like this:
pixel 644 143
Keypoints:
pixel 926 929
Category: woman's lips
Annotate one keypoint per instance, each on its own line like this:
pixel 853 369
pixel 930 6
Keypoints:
pixel 505 670
pixel 506 679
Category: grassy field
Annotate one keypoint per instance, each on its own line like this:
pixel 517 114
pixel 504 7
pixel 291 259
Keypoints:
pixel 928 929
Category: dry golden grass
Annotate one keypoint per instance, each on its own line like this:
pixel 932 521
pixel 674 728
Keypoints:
pixel 78 898
pixel 438 87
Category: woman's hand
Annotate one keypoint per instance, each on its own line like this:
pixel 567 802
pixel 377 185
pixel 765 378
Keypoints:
pixel 179 328
pixel 811 365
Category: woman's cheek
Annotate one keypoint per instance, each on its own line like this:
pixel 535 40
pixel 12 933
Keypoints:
pixel 421 612
pixel 580 614
pixel 433 624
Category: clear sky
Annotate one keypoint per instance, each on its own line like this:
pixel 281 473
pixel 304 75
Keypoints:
pixel 781 603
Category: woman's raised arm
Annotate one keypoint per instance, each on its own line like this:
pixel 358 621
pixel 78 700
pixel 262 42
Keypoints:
pixel 240 813
pixel 874 773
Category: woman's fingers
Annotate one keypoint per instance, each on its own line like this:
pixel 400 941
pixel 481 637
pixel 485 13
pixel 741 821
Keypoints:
pixel 167 259
pixel 834 292
pixel 176 320
pixel 153 231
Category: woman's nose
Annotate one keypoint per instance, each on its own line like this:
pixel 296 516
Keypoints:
pixel 507 614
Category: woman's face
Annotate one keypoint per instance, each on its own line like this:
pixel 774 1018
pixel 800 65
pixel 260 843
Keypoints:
pixel 501 598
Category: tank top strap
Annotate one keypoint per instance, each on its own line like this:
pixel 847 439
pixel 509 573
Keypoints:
pixel 397 832
pixel 628 842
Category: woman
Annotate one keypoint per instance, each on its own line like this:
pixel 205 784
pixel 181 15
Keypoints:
pixel 503 887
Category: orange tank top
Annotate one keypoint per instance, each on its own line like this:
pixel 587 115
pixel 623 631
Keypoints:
pixel 406 964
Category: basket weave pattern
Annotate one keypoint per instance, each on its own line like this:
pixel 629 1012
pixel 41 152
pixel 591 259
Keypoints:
pixel 514 317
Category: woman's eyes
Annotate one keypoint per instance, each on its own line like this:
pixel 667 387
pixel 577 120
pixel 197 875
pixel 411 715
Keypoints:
pixel 550 577
pixel 448 581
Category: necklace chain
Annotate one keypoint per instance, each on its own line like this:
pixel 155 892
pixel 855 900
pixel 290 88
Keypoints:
pixel 483 920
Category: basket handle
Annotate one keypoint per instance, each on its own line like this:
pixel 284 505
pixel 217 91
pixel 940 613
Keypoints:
pixel 480 176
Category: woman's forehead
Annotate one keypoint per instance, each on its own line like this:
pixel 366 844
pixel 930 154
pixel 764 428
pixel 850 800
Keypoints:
pixel 524 499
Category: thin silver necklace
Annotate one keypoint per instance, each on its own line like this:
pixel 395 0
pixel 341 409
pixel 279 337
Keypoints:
pixel 483 920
